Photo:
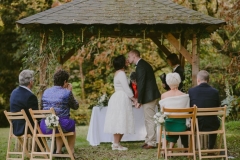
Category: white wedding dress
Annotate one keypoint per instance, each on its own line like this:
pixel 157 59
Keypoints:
pixel 119 116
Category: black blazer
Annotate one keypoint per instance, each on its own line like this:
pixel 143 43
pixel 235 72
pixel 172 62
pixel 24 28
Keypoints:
pixel 180 71
pixel 146 83
pixel 205 96
pixel 22 98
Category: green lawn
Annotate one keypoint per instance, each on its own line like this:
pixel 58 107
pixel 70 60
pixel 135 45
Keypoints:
pixel 103 152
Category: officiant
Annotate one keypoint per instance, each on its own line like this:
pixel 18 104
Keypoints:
pixel 174 62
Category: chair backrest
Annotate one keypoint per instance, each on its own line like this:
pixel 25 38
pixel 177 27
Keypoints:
pixel 18 116
pixel 180 112
pixel 15 115
pixel 215 111
pixel 39 114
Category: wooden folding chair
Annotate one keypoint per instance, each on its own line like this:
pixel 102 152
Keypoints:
pixel 217 111
pixel 21 139
pixel 38 133
pixel 179 113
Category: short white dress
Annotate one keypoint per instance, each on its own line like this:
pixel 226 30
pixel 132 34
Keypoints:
pixel 119 116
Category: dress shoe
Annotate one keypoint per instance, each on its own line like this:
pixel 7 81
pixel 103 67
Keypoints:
pixel 149 147
pixel 145 144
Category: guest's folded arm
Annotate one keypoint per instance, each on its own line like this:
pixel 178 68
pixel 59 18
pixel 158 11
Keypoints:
pixel 72 102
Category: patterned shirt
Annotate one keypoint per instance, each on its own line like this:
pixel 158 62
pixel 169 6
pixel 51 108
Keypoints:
pixel 60 99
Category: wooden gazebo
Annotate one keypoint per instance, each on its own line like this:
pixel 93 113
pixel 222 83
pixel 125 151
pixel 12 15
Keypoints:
pixel 154 19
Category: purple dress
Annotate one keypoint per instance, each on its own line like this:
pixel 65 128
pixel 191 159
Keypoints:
pixel 61 100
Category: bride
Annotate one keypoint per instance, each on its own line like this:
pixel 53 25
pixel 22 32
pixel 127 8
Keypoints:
pixel 119 117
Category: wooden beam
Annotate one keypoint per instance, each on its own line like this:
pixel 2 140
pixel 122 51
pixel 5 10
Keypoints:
pixel 195 59
pixel 158 43
pixel 181 57
pixel 180 48
pixel 62 60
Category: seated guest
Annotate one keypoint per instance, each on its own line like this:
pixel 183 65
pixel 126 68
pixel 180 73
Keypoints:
pixel 60 97
pixel 23 98
pixel 174 62
pixel 133 84
pixel 205 96
pixel 175 99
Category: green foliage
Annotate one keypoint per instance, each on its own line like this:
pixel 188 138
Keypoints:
pixel 82 115
pixel 232 103
pixel 10 12
pixel 187 84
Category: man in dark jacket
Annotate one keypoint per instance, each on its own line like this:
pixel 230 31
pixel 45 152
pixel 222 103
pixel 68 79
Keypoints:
pixel 205 96
pixel 23 98
pixel 148 94
pixel 174 62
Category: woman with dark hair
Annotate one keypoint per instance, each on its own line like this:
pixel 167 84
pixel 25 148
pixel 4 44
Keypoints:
pixel 119 117
pixel 174 62
pixel 60 97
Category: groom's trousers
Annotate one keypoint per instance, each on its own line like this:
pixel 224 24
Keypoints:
pixel 149 112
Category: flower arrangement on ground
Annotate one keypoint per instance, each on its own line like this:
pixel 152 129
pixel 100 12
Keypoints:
pixel 52 121
pixel 103 101
pixel 159 118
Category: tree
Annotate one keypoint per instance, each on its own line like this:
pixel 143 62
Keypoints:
pixel 10 12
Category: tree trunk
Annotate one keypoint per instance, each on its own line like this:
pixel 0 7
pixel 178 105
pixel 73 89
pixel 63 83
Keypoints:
pixel 82 77
pixel 43 66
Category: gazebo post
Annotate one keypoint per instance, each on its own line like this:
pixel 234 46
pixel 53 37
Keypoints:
pixel 195 60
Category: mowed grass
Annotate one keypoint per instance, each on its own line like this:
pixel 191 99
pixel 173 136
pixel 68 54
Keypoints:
pixel 103 152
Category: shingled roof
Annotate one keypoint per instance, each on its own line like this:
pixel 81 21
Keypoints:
pixel 147 12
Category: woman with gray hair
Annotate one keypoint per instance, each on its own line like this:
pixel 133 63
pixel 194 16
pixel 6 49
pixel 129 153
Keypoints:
pixel 174 98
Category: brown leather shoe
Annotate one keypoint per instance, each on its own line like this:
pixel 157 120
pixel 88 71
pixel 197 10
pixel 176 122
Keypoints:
pixel 149 147
pixel 145 144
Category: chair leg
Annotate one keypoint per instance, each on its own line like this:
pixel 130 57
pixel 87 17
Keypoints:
pixel 9 143
pixel 193 147
pixel 159 143
pixel 225 144
pixel 165 145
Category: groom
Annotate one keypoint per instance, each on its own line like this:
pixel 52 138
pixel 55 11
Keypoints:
pixel 148 94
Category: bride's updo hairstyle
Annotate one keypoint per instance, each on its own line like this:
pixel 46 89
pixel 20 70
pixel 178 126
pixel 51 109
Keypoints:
pixel 119 62
pixel 173 79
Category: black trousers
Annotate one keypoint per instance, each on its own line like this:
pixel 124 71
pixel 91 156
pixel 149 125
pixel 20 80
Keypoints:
pixel 206 123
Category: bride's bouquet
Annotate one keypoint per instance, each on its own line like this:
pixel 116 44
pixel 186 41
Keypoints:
pixel 103 101
pixel 52 121
pixel 159 118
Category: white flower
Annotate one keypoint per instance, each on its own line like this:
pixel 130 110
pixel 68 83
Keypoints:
pixel 159 118
pixel 102 101
pixel 52 121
